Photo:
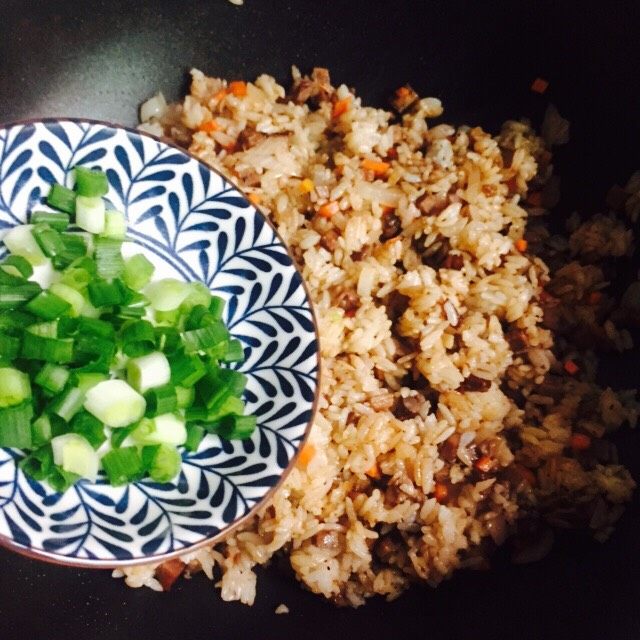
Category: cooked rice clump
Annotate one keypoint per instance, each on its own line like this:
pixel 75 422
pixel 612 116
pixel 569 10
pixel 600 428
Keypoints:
pixel 447 419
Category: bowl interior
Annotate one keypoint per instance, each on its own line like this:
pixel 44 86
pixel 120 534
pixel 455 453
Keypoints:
pixel 193 225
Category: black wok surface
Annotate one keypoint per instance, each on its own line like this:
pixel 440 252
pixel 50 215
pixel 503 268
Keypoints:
pixel 100 59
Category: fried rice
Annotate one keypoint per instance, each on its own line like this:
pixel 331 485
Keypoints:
pixel 458 407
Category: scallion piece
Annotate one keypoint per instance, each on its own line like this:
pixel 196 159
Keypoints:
pixel 76 278
pixel 68 403
pixel 17 266
pixel 89 427
pixel 89 347
pixel 91 183
pixel 57 221
pixel 195 435
pixel 235 352
pixel 20 242
pixel 167 339
pixel 186 370
pixel 115 225
pixel 48 306
pixel 39 464
pixel 14 387
pixel 138 338
pixel 86 380
pixel 12 296
pixel 90 214
pixel 108 254
pixel 41 430
pixel 115 403
pixel 70 295
pixel 137 272
pixel 60 480
pixel 199 294
pixel 167 294
pixel 162 462
pixel 148 371
pixel 62 198
pixel 105 294
pixel 185 396
pixel 123 465
pixel 96 327
pixel 216 307
pixel 163 429
pixel 74 247
pixel 218 384
pixel 48 239
pixel 74 454
pixel 15 425
pixel 9 347
pixel 205 338
pixel 52 377
pixel 234 427
pixel 37 347
pixel 161 400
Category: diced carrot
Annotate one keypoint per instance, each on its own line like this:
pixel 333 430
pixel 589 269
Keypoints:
pixel 374 471
pixel 594 298
pixel 539 85
pixel 307 186
pixel 579 441
pixel 220 95
pixel 340 107
pixel 238 88
pixel 521 245
pixel 329 209
pixel 441 492
pixel 377 166
pixel 535 198
pixel 168 572
pixel 209 126
pixel 571 367
pixel 526 474
pixel 484 464
pixel 254 198
pixel 306 455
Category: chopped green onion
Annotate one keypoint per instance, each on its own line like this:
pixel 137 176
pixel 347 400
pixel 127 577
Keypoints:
pixel 60 480
pixel 86 380
pixel 62 198
pixel 17 266
pixel 115 225
pixel 168 339
pixel 9 347
pixel 39 464
pixel 120 436
pixel 216 307
pixel 235 427
pixel 52 377
pixel 41 430
pixel 87 347
pixel 205 338
pixel 47 306
pixel 90 214
pixel 91 184
pixel 49 240
pixel 74 247
pixel 14 296
pixel 138 338
pixel 115 403
pixel 89 427
pixel 195 435
pixel 231 406
pixel 199 295
pixel 235 352
pixel 105 294
pixel 76 278
pixel 15 425
pixel 75 455
pixel 162 462
pixel 57 221
pixel 36 347
pixel 185 396
pixel 186 370
pixel 163 429
pixel 20 242
pixel 14 387
pixel 148 371
pixel 108 254
pixel 168 317
pixel 68 404
pixel 123 465
pixel 137 272
pixel 13 321
pixel 218 384
pixel 96 327
pixel 167 294
pixel 70 295
pixel 161 400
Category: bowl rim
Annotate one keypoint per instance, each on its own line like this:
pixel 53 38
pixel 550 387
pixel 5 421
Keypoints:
pixel 53 558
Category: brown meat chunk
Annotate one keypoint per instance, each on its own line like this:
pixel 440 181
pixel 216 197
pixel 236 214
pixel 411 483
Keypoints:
pixel 403 98
pixel 391 226
pixel 168 572
pixel 397 304
pixel 410 407
pixel 349 301
pixel 248 138
pixel 431 205
pixel 327 540
pixel 453 261
pixel 474 383
pixel 385 548
pixel 449 448
pixel 517 340
pixel 317 87
pixel 329 240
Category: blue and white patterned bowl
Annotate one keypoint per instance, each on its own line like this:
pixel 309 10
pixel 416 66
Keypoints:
pixel 193 225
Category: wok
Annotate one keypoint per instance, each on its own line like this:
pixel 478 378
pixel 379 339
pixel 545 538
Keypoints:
pixel 100 59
